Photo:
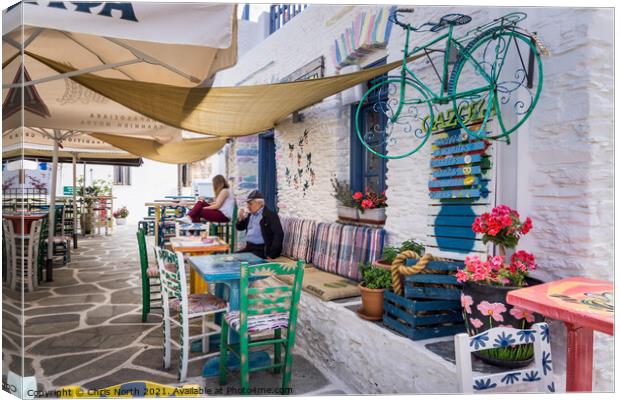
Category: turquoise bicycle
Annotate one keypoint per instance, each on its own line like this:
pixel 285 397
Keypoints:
pixel 491 72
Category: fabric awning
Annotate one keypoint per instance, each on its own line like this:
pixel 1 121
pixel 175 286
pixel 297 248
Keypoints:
pixel 183 151
pixel 38 144
pixel 94 147
pixel 220 111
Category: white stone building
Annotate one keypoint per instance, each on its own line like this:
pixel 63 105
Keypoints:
pixel 557 170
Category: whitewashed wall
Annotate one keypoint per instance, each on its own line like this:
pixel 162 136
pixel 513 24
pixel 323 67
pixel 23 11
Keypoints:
pixel 562 155
pixel 153 180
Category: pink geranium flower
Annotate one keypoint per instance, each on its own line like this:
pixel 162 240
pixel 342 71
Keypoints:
pixel 493 310
pixel 476 323
pixel 466 302
pixel 519 313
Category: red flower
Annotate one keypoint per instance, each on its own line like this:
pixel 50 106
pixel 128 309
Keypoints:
pixel 527 226
pixel 367 204
pixel 357 196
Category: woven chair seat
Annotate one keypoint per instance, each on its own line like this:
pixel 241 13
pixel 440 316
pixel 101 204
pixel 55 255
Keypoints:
pixel 200 303
pixel 259 323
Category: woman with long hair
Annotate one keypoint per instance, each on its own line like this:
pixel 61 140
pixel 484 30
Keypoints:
pixel 220 210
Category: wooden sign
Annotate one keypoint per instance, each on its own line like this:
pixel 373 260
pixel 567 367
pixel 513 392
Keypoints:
pixel 313 70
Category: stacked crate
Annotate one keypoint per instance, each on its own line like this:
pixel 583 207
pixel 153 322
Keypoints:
pixel 430 305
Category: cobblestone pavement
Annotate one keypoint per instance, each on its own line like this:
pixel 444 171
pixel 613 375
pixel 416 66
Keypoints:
pixel 85 328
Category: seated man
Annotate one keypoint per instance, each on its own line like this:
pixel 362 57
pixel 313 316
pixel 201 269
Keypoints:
pixel 264 232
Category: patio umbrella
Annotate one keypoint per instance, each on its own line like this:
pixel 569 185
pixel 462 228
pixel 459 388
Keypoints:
pixel 125 41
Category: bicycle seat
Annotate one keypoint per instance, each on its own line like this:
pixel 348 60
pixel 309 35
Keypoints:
pixel 450 19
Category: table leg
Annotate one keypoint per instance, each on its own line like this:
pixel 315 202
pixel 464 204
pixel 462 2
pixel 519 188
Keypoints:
pixel 579 350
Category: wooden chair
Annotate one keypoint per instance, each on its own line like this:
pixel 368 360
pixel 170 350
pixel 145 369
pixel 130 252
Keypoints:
pixel 25 268
pixel 151 287
pixel 175 297
pixel 540 374
pixel 263 309
pixel 8 239
pixel 226 230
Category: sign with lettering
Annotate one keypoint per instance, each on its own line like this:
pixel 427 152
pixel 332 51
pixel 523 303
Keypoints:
pixel 313 70
pixel 460 183
pixel 211 24
pixel 470 112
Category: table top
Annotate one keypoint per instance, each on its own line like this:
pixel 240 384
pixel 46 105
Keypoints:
pixel 168 203
pixel 222 267
pixel 25 215
pixel 195 226
pixel 580 301
pixel 193 244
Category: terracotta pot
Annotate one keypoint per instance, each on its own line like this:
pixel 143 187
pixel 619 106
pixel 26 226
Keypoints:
pixel 382 264
pixel 372 302
pixel 498 312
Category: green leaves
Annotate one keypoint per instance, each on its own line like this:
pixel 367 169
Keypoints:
pixel 390 252
pixel 375 278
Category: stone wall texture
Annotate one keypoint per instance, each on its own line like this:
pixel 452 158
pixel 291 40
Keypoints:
pixel 560 161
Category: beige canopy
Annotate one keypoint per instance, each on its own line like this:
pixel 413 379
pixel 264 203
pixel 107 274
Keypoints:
pixel 183 151
pixel 221 111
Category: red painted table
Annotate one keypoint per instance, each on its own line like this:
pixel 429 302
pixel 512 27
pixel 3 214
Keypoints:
pixel 28 217
pixel 584 305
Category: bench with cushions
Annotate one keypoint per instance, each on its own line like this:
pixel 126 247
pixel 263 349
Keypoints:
pixel 332 252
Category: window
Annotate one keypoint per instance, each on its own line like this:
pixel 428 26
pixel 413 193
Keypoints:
pixel 122 175
pixel 367 170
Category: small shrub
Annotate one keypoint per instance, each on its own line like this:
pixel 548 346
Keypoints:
pixel 375 278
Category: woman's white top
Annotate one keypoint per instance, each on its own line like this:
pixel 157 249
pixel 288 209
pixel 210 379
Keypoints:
pixel 229 205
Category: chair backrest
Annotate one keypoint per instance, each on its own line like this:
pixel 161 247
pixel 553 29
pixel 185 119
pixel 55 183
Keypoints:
pixel 261 300
pixel 172 277
pixel 8 238
pixel 226 231
pixel 144 259
pixel 33 243
pixel 540 374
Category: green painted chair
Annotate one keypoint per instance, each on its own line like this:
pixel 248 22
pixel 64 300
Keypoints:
pixel 227 230
pixel 150 279
pixel 263 309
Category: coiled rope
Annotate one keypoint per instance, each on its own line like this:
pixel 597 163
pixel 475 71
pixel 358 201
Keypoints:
pixel 399 267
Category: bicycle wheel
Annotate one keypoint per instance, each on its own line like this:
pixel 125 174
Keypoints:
pixel 498 75
pixel 385 125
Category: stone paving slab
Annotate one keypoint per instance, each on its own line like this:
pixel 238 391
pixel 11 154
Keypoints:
pixel 85 328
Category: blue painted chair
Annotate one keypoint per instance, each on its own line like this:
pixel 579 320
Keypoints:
pixel 540 374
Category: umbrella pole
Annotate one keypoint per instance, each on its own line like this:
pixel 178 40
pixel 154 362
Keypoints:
pixel 75 235
pixel 52 212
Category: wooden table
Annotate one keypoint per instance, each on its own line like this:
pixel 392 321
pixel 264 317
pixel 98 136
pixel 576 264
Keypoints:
pixel 584 305
pixel 28 218
pixel 195 246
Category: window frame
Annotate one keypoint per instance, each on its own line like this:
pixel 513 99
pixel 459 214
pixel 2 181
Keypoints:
pixel 358 168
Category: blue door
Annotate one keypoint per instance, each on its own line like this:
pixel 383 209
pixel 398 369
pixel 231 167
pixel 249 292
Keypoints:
pixel 267 169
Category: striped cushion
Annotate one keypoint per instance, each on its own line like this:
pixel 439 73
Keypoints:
pixel 259 323
pixel 200 303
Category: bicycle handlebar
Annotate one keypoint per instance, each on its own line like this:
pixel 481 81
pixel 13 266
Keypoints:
pixel 395 17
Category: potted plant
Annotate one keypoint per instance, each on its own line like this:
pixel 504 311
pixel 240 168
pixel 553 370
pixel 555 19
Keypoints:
pixel 486 284
pixel 346 206
pixel 391 252
pixel 371 206
pixel 121 215
pixel 99 187
pixel 374 282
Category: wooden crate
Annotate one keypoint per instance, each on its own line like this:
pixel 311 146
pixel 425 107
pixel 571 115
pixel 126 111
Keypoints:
pixel 430 307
